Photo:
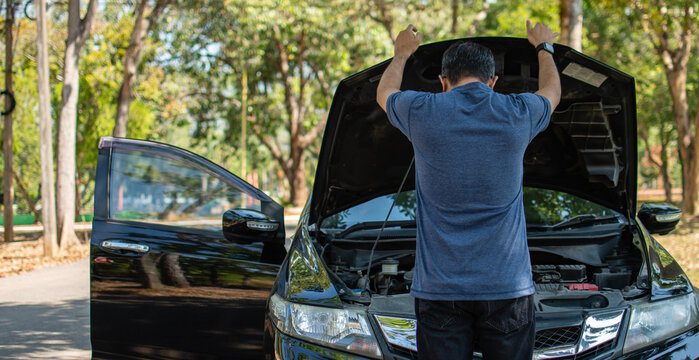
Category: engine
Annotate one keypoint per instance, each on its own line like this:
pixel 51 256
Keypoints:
pixel 603 265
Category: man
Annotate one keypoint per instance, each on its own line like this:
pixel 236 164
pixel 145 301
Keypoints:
pixel 472 270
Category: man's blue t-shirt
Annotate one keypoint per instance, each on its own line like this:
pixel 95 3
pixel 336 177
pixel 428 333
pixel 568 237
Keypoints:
pixel 469 147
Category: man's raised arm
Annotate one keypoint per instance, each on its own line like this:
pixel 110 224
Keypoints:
pixel 549 81
pixel 407 42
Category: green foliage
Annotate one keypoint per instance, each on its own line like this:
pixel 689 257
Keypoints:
pixel 100 71
pixel 508 18
pixel 625 45
pixel 189 89
pixel 295 53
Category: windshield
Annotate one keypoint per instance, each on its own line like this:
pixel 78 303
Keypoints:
pixel 542 207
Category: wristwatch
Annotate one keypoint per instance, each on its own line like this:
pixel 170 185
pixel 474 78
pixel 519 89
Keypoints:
pixel 544 46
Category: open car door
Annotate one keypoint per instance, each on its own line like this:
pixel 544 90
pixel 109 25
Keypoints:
pixel 182 258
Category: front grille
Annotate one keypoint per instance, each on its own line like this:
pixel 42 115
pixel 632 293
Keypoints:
pixel 556 337
pixel 544 339
pixel 404 353
pixel 595 352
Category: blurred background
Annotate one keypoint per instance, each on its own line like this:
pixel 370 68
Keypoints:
pixel 248 84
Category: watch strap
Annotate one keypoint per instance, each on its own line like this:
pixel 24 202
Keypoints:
pixel 545 46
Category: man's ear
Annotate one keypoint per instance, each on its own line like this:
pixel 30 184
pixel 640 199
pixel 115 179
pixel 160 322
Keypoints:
pixel 492 81
pixel 445 83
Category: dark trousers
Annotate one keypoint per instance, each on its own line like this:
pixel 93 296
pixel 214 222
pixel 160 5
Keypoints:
pixel 502 329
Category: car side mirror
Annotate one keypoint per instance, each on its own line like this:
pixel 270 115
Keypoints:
pixel 247 226
pixel 659 219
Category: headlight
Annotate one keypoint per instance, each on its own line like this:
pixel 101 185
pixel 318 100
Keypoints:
pixel 657 321
pixel 342 329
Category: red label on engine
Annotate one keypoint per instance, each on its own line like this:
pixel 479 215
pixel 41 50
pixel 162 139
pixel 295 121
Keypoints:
pixel 591 287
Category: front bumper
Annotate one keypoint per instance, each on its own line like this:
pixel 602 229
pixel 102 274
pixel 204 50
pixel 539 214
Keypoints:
pixel 683 346
pixel 286 347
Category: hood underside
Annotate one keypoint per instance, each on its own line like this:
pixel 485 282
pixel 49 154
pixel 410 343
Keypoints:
pixel 589 148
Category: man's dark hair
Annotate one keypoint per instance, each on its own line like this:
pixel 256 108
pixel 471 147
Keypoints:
pixel 465 59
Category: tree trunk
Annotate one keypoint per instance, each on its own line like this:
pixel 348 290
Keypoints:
pixel 677 79
pixel 48 200
pixel 664 171
pixel 674 60
pixel 571 18
pixel 454 17
pixel 243 125
pixel 298 190
pixel 693 187
pixel 65 182
pixel 132 58
pixel 78 30
pixel 661 164
pixel 8 192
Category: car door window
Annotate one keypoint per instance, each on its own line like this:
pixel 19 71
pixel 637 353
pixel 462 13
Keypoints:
pixel 156 189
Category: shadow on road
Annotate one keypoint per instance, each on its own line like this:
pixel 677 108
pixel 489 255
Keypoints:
pixel 47 330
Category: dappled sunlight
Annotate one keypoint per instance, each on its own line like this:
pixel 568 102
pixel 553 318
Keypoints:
pixel 45 330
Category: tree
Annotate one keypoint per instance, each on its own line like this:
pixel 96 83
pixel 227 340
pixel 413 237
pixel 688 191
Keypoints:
pixel 670 26
pixel 625 46
pixel 303 60
pixel 571 17
pixel 101 71
pixel 78 31
pixel 48 199
pixel 293 58
pixel 8 191
pixel 142 26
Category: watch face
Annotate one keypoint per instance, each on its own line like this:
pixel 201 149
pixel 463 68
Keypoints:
pixel 545 46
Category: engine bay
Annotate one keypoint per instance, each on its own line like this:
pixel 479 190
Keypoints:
pixel 575 269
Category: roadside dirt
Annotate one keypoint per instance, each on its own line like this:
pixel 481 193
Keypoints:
pixel 26 253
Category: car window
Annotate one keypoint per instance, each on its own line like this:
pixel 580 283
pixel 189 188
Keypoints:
pixel 375 210
pixel 548 207
pixel 156 189
pixel 541 207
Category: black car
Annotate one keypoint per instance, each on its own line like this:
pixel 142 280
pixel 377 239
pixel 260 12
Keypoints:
pixel 189 261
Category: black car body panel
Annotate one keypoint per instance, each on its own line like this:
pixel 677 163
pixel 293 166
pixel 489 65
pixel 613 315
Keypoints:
pixel 588 150
pixel 667 278
pixel 192 290
pixel 304 276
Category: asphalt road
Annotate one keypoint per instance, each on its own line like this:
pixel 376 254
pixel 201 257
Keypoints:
pixel 44 314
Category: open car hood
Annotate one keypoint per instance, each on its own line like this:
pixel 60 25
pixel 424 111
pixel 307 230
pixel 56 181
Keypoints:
pixel 589 148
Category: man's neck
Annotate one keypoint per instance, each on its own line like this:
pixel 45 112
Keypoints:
pixel 464 81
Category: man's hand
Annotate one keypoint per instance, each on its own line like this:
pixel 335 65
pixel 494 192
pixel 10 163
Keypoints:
pixel 549 81
pixel 407 42
pixel 540 33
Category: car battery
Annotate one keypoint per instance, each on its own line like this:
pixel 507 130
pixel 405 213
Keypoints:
pixel 573 273
pixel 544 267
pixel 545 274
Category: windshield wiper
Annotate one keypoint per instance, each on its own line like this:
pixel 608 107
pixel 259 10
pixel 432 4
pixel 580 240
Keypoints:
pixel 583 220
pixel 375 225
